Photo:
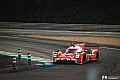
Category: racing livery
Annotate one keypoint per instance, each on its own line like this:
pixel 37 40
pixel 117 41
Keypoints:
pixel 76 53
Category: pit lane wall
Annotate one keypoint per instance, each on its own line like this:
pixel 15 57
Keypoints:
pixel 55 26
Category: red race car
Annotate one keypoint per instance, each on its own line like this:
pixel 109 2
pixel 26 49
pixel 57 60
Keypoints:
pixel 76 53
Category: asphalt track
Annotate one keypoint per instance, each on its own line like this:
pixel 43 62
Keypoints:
pixel 108 66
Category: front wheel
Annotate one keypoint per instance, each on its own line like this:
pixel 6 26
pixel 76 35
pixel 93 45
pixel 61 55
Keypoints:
pixel 54 60
pixel 84 59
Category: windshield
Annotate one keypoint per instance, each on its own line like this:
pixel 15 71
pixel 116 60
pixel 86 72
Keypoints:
pixel 71 50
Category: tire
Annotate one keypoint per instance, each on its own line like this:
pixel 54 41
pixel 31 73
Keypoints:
pixel 97 57
pixel 54 60
pixel 84 59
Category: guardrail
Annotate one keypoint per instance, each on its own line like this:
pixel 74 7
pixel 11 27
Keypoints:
pixel 54 26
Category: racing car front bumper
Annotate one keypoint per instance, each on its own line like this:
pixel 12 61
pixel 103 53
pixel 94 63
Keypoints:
pixel 64 60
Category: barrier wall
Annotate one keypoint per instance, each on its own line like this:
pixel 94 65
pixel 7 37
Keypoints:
pixel 54 26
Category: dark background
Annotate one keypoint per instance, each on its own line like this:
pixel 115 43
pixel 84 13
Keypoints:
pixel 61 11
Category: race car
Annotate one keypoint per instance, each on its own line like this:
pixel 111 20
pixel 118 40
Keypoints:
pixel 76 53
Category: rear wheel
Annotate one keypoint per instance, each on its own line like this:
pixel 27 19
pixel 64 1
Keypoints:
pixel 97 57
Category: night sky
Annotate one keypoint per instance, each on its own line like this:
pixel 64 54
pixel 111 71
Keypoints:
pixel 61 11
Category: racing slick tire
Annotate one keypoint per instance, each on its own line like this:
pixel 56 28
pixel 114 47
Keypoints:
pixel 54 60
pixel 84 59
pixel 97 57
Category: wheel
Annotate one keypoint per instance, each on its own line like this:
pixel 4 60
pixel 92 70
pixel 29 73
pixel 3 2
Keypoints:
pixel 84 59
pixel 54 60
pixel 97 57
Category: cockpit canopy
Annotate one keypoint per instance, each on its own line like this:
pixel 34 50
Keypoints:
pixel 73 49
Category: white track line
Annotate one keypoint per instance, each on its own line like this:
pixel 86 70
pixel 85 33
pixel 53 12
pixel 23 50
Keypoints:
pixel 26 38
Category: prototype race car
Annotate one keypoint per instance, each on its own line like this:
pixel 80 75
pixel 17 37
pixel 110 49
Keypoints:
pixel 76 53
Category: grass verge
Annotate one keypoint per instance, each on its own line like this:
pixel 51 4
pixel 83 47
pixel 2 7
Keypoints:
pixel 97 40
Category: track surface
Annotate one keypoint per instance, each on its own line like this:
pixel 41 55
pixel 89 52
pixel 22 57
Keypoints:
pixel 109 64
pixel 51 32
